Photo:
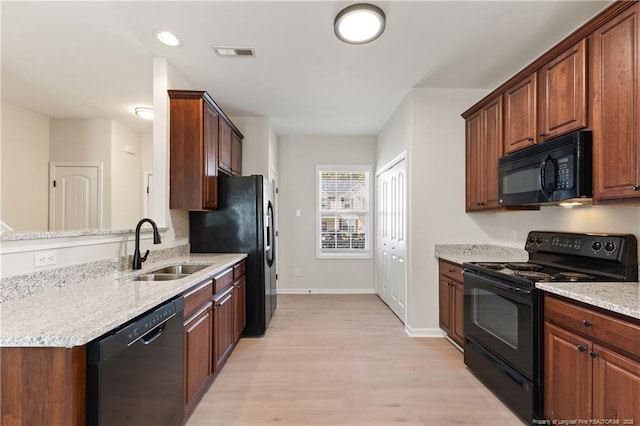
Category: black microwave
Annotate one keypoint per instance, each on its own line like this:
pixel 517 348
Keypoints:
pixel 555 171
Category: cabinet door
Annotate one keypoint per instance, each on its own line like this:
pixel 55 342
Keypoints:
pixel 615 85
pixel 239 307
pixel 616 386
pixel 197 354
pixel 236 155
pixel 474 163
pixel 567 374
pixel 444 295
pixel 457 300
pixel 520 115
pixel 225 148
pixel 492 150
pixel 563 88
pixel 223 338
pixel 210 193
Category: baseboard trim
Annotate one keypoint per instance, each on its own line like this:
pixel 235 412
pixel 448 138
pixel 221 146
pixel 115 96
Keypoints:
pixel 326 291
pixel 424 332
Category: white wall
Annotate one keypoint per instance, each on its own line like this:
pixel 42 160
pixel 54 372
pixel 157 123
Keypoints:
pixel 25 169
pixel 126 176
pixel 255 145
pixel 437 215
pixel 298 157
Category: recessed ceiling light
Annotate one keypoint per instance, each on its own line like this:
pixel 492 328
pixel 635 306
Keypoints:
pixel 144 112
pixel 167 38
pixel 359 23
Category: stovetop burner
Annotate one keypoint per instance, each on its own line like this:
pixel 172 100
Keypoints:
pixel 536 275
pixel 523 266
pixel 493 266
pixel 572 276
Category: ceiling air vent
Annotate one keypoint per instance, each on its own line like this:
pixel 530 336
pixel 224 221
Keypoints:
pixel 242 52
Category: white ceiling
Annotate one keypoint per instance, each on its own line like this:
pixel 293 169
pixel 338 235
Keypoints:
pixel 80 59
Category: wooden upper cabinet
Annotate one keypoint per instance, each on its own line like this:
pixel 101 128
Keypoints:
pixel 236 155
pixel 225 148
pixel 493 145
pixel 192 151
pixel 520 115
pixel 474 162
pixel 484 147
pixel 615 90
pixel 230 150
pixel 562 88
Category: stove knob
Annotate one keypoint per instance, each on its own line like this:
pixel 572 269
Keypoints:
pixel 596 245
pixel 539 240
pixel 609 246
pixel 532 239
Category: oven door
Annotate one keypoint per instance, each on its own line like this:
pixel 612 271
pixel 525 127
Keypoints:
pixel 500 316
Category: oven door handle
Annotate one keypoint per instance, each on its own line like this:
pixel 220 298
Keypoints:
pixel 510 289
pixel 523 292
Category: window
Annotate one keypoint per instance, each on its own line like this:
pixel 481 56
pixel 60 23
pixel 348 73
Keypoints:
pixel 343 224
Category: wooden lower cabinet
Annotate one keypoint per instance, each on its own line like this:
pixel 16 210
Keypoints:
pixel 197 355
pixel 451 301
pixel 567 374
pixel 43 386
pixel 223 328
pixel 212 318
pixel 239 306
pixel 591 364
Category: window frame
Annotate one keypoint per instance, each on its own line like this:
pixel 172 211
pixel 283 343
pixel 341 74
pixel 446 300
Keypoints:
pixel 344 253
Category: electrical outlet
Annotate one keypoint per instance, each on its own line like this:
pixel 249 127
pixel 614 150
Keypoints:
pixel 46 258
pixel 297 272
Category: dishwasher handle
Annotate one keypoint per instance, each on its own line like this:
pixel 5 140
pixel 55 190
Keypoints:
pixel 146 328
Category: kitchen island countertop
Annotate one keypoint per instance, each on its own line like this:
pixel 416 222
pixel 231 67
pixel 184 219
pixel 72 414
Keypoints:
pixel 76 314
pixel 620 297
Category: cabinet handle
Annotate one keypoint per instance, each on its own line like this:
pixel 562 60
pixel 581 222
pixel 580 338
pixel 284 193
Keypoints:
pixel 593 354
pixel 587 323
pixel 582 348
pixel 636 187
pixel 451 270
pixel 542 135
pixel 530 139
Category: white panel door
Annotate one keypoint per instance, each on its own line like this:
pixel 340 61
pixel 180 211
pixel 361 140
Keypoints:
pixel 391 246
pixel 75 197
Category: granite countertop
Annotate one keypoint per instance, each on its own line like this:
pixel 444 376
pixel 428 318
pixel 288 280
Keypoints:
pixel 461 253
pixel 619 297
pixel 76 314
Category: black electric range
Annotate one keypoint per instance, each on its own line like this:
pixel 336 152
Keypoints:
pixel 503 310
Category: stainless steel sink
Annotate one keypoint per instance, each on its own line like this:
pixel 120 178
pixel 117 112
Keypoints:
pixel 179 269
pixel 158 277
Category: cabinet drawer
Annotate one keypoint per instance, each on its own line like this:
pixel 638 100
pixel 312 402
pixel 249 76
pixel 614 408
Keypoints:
pixel 196 297
pixel 222 280
pixel 239 269
pixel 598 326
pixel 451 270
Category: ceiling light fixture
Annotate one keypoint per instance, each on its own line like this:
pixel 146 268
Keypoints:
pixel 167 38
pixel 359 23
pixel 144 112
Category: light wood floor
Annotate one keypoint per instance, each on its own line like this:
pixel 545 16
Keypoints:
pixel 345 360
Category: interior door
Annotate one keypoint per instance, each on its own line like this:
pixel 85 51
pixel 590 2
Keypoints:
pixel 75 196
pixel 391 247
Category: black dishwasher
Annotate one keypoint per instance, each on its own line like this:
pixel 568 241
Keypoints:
pixel 135 373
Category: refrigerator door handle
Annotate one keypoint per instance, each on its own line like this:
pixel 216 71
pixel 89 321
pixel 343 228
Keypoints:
pixel 270 249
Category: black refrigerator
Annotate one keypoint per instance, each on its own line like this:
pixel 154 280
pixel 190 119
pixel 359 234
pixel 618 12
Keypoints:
pixel 243 223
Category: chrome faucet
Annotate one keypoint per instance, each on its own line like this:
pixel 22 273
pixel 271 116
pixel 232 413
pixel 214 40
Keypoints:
pixel 137 259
